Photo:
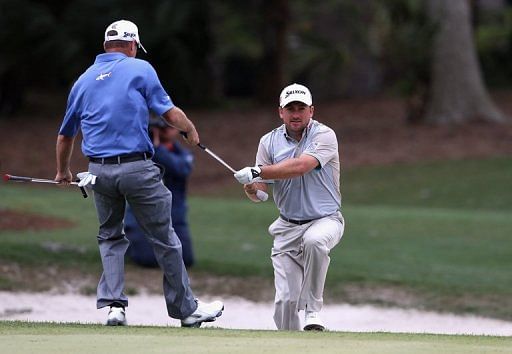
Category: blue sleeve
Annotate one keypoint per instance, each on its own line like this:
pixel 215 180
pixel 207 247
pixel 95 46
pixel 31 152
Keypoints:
pixel 71 121
pixel 178 163
pixel 157 99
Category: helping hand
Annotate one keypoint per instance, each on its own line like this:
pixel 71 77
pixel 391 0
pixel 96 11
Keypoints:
pixel 64 177
pixel 248 175
pixel 86 179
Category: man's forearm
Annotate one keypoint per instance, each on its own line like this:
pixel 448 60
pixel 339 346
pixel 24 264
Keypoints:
pixel 64 150
pixel 178 119
pixel 289 168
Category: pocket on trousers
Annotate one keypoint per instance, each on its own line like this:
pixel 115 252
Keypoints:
pixel 161 169
pixel 156 172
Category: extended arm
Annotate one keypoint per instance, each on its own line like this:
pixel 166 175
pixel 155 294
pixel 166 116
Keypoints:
pixel 289 168
pixel 64 150
pixel 178 119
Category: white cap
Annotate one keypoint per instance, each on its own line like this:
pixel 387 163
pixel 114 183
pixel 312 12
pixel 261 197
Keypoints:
pixel 295 93
pixel 123 30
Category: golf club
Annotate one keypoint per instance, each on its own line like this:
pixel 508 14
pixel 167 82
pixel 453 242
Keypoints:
pixel 12 178
pixel 261 195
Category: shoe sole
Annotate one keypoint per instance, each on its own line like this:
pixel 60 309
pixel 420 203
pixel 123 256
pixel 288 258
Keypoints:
pixel 208 319
pixel 314 327
pixel 116 323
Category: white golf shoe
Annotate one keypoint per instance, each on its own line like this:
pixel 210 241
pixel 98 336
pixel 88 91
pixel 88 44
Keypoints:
pixel 313 322
pixel 205 312
pixel 116 317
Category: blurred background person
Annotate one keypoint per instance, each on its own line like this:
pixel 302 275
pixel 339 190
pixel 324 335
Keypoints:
pixel 177 162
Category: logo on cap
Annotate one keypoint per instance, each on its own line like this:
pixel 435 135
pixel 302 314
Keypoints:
pixel 295 92
pixel 123 30
pixel 300 92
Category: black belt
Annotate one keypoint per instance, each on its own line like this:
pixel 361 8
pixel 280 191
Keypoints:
pixel 296 222
pixel 121 158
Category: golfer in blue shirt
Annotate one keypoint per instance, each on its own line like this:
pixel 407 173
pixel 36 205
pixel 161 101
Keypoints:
pixel 110 103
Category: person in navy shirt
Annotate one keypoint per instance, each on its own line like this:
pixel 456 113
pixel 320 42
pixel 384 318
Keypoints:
pixel 110 103
pixel 177 162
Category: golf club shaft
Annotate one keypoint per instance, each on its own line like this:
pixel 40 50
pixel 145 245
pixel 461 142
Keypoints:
pixel 261 195
pixel 8 177
pixel 32 180
pixel 212 154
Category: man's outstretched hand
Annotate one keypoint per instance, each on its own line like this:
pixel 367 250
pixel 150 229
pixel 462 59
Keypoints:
pixel 248 175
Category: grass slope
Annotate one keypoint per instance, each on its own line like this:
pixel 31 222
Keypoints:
pixel 440 231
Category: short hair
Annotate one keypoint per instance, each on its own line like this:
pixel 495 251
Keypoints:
pixel 117 44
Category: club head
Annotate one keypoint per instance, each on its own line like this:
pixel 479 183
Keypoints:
pixel 6 177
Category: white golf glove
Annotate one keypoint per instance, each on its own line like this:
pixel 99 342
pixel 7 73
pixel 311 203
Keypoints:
pixel 87 179
pixel 248 175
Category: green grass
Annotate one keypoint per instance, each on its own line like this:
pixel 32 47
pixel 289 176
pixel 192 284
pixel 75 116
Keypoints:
pixel 78 244
pixel 19 337
pixel 440 231
pixel 464 184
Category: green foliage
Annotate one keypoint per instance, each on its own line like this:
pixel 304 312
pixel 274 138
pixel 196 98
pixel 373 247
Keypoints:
pixel 208 50
pixel 330 39
pixel 64 37
pixel 406 35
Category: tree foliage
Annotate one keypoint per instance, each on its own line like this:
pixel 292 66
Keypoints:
pixel 207 51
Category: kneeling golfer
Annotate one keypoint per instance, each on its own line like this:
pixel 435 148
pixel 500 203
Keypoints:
pixel 110 103
pixel 300 158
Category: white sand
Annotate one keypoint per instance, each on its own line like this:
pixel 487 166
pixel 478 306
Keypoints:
pixel 242 314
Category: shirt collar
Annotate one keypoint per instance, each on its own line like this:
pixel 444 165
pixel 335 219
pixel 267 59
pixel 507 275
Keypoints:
pixel 106 57
pixel 304 133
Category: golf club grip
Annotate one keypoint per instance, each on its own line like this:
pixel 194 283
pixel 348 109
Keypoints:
pixel 261 195
pixel 198 144
pixel 82 189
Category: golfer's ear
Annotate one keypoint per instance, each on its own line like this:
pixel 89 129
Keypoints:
pixel 280 111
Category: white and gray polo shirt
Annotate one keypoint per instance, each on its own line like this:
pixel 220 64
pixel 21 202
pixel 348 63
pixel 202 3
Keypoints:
pixel 315 194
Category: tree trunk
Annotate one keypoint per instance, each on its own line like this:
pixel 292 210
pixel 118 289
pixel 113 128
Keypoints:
pixel 457 91
pixel 274 29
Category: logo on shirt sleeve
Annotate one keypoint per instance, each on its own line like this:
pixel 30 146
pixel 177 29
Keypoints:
pixel 313 146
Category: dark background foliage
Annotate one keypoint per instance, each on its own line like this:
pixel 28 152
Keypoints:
pixel 211 52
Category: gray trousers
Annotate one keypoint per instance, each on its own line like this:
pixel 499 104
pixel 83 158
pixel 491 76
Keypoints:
pixel 300 256
pixel 138 183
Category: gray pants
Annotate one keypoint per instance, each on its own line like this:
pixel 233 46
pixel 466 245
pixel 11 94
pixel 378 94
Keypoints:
pixel 138 183
pixel 300 256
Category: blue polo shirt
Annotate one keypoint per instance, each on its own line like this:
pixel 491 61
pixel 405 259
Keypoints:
pixel 110 103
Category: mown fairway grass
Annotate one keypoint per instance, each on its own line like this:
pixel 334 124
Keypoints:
pixel 19 337
pixel 440 231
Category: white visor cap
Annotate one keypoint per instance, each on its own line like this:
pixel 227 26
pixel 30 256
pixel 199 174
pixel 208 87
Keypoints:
pixel 123 30
pixel 295 93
